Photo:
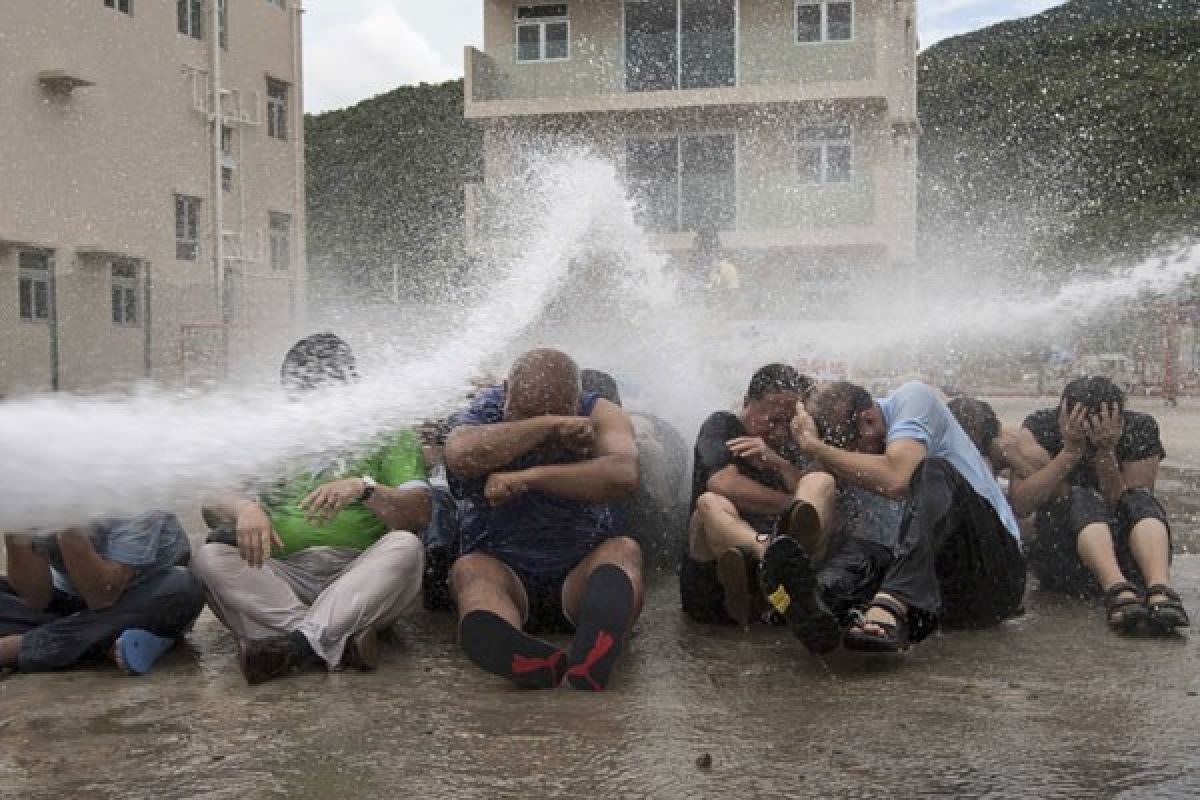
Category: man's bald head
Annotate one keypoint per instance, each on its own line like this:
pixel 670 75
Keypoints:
pixel 542 382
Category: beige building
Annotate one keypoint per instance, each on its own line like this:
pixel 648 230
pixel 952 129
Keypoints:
pixel 152 183
pixel 788 127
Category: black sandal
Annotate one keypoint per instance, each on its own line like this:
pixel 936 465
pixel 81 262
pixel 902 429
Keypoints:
pixel 1167 615
pixel 1125 613
pixel 894 638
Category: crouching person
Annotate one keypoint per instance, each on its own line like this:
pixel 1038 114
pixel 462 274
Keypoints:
pixel 112 590
pixel 307 575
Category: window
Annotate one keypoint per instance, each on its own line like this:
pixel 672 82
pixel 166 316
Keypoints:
pixel 125 285
pixel 543 33
pixel 680 44
pixel 191 17
pixel 187 227
pixel 825 155
pixel 684 183
pixel 228 161
pixel 33 285
pixel 277 109
pixel 281 240
pixel 824 21
pixel 222 25
pixel 277 3
pixel 124 6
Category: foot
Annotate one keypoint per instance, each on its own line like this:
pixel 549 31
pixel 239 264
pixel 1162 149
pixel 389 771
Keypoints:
pixel 788 579
pixel 263 660
pixel 136 650
pixel 882 629
pixel 362 651
pixel 734 570
pixel 1124 607
pixel 10 649
pixel 498 647
pixel 1164 609
pixel 606 613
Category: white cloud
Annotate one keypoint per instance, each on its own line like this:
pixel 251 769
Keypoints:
pixel 355 49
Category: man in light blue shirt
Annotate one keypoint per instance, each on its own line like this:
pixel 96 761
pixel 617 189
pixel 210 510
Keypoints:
pixel 958 555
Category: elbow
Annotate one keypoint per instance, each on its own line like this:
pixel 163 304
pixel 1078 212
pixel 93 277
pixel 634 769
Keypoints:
pixel 459 460
pixel 100 600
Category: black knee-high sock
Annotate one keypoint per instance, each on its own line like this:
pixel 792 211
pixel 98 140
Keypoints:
pixel 603 618
pixel 496 646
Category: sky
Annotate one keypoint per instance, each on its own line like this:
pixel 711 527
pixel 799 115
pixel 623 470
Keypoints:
pixel 355 49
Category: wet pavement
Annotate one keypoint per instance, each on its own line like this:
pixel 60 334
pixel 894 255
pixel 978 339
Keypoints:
pixel 1049 705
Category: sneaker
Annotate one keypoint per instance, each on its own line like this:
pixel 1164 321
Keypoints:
pixel 362 651
pixel 735 571
pixel 262 660
pixel 788 579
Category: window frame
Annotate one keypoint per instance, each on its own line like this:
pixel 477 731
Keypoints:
pixel 680 202
pixel 541 24
pixel 128 286
pixel 187 222
pixel 228 158
pixel 277 110
pixel 189 18
pixel 121 6
pixel 805 139
pixel 677 84
pixel 32 277
pixel 279 238
pixel 823 5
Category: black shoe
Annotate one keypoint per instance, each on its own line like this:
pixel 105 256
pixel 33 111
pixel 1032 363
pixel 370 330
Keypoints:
pixel 735 572
pixel 362 651
pixel 263 660
pixel 789 581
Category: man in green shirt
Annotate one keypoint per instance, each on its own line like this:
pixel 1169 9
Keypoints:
pixel 321 564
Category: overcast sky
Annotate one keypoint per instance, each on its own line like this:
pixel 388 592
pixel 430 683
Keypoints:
pixel 354 49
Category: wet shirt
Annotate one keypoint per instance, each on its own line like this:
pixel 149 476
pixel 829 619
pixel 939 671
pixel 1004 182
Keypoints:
pixel 149 543
pixel 712 455
pixel 915 412
pixel 396 462
pixel 1139 440
pixel 537 533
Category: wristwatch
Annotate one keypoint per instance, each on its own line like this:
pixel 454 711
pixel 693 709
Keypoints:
pixel 369 486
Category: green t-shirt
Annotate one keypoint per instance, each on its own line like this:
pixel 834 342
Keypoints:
pixel 355 526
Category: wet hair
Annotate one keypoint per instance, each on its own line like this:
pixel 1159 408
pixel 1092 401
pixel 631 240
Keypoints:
pixel 778 378
pixel 601 383
pixel 1093 391
pixel 835 410
pixel 318 360
pixel 977 418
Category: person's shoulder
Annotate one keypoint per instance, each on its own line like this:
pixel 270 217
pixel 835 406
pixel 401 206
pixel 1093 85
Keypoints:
pixel 1041 419
pixel 720 421
pixel 1139 420
pixel 487 406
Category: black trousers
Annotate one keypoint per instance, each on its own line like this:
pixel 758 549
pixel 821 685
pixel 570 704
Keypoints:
pixel 955 562
pixel 69 634
pixel 1053 555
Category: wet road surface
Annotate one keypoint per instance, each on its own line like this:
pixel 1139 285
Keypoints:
pixel 1049 705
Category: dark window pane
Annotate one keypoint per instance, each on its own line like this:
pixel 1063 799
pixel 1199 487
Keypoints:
pixel 542 11
pixel 841 21
pixel 131 307
pixel 809 164
pixel 709 183
pixel 808 23
pixel 652 173
pixel 25 290
pixel 838 163
pixel 651 45
pixel 708 32
pixel 556 40
pixel 41 300
pixel 117 307
pixel 181 13
pixel 529 42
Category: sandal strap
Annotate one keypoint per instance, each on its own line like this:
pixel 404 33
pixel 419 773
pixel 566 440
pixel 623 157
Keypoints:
pixel 889 605
pixel 1112 593
pixel 1166 591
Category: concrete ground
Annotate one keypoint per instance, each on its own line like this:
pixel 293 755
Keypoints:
pixel 1048 705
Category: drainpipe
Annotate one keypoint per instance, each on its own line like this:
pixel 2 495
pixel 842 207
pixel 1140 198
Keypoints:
pixel 218 202
pixel 299 273
pixel 52 292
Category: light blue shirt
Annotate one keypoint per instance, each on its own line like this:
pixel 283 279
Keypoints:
pixel 914 411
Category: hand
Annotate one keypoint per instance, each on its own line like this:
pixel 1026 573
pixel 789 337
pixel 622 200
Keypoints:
pixel 504 487
pixel 1104 428
pixel 1073 425
pixel 804 431
pixel 255 534
pixel 754 450
pixel 575 434
pixel 325 501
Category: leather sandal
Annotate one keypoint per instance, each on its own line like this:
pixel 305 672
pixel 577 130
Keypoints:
pixel 1125 614
pixel 1166 615
pixel 893 639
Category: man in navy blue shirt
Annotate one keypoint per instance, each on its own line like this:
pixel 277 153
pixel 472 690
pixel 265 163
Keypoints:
pixel 537 464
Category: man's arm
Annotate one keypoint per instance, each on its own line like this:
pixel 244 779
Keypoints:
pixel 100 582
pixel 608 477
pixel 1141 474
pixel 28 571
pixel 252 528
pixel 1021 456
pixel 473 451
pixel 888 474
pixel 747 495
pixel 1028 493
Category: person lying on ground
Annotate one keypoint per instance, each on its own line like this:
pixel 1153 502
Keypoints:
pixel 957 558
pixel 1099 525
pixel 306 575
pixel 115 589
pixel 537 465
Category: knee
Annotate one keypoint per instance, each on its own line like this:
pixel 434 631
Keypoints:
pixel 467 570
pixel 403 550
pixel 711 504
pixel 625 551
pixel 818 485
pixel 180 588
pixel 207 560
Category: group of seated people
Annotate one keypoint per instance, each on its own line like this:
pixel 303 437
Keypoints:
pixel 856 521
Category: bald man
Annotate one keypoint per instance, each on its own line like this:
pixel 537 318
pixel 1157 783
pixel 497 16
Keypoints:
pixel 536 463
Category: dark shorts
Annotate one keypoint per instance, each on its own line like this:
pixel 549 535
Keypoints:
pixel 543 594
pixel 1052 554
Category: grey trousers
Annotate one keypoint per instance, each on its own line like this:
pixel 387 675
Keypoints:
pixel 329 594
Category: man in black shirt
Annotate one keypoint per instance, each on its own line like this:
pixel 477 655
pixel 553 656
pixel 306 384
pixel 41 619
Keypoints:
pixel 1098 521
pixel 746 474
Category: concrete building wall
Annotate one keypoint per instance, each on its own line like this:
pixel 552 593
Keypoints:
pixel 92 173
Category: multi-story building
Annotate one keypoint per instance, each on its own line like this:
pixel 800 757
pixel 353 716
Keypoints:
pixel 787 127
pixel 151 189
